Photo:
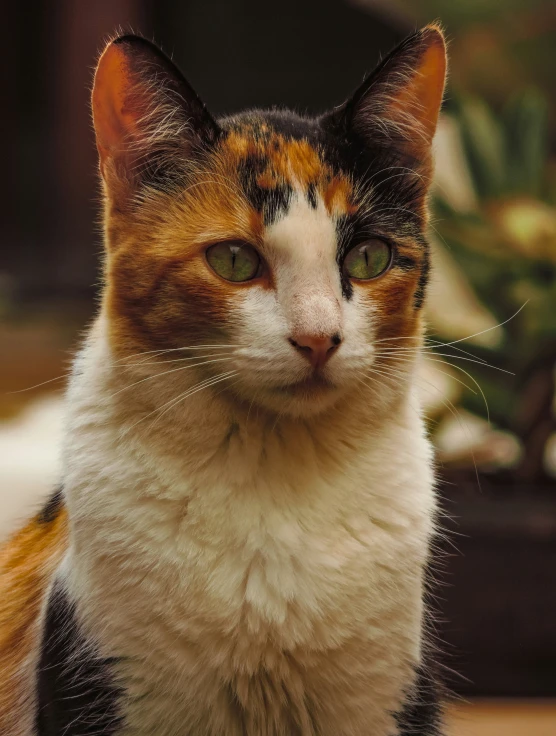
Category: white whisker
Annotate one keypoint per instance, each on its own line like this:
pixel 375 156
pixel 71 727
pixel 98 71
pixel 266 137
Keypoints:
pixel 165 373
pixel 450 406
pixel 202 384
pixel 489 329
pixel 199 387
pixel 171 350
pixel 405 352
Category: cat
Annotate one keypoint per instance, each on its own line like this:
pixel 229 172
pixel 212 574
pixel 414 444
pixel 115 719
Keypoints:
pixel 241 542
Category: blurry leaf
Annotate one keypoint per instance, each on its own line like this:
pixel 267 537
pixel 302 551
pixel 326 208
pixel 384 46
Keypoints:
pixel 528 226
pixel 484 146
pixel 452 176
pixel 526 122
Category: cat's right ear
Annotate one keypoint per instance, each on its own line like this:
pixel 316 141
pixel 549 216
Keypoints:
pixel 148 119
pixel 397 106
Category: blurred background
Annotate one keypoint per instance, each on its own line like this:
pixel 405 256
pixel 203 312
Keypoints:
pixel 489 379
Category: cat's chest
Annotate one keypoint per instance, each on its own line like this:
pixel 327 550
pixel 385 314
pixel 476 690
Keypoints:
pixel 255 573
pixel 267 611
pixel 264 594
pixel 257 577
pixel 194 559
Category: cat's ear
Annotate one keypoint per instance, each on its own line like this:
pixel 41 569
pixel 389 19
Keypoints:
pixel 147 117
pixel 399 103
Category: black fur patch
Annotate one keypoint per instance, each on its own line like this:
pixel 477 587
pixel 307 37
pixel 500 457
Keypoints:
pixel 312 195
pixel 420 292
pixel 345 227
pixel 284 122
pixel 75 692
pixel 52 508
pixel 422 713
pixel 276 203
pixel 404 262
pixel 271 202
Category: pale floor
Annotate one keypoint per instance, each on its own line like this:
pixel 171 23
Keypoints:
pixel 29 459
pixel 502 718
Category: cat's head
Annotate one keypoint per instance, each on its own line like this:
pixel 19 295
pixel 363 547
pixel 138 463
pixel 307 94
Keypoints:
pixel 285 257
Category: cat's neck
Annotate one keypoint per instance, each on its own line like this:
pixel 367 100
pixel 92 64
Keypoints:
pixel 210 428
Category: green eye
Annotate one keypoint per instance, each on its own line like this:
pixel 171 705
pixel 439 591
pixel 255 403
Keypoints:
pixel 234 261
pixel 368 260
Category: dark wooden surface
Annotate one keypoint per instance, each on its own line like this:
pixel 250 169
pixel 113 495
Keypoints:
pixel 498 595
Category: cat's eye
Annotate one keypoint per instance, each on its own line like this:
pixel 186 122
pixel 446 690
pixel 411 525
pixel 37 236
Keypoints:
pixel 368 260
pixel 234 260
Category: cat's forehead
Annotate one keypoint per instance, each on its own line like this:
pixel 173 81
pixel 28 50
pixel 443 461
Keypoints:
pixel 280 157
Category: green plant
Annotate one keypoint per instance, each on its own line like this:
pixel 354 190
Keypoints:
pixel 506 246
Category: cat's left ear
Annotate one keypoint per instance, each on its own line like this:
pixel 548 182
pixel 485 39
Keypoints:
pixel 399 103
pixel 147 117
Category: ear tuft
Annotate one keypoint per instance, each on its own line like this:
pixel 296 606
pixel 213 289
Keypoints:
pixel 399 103
pixel 144 111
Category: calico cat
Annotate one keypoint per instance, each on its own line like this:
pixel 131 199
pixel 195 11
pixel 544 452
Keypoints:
pixel 241 540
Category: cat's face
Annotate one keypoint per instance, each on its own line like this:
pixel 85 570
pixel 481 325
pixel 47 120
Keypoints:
pixel 284 257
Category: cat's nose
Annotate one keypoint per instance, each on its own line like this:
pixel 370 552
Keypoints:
pixel 316 348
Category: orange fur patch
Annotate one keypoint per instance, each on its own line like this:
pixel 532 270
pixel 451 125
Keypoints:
pixel 160 293
pixel 291 161
pixel 27 564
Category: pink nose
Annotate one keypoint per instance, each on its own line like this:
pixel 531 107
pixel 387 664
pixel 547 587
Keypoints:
pixel 315 348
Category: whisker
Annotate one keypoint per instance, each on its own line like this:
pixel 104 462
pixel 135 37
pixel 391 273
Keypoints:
pixel 171 350
pixel 400 337
pixel 38 385
pixel 439 344
pixel 482 332
pixel 374 213
pixel 431 345
pixel 450 406
pixel 454 378
pixel 429 350
pixel 402 352
pixel 165 373
pixel 374 385
pixel 173 360
pixel 190 392
pixel 121 363
pixel 459 368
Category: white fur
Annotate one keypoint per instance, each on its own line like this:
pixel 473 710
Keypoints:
pixel 244 562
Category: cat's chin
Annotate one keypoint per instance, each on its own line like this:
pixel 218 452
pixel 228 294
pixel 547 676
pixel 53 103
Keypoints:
pixel 299 399
pixel 312 387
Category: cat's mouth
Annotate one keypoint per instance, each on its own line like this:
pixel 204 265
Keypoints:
pixel 311 386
